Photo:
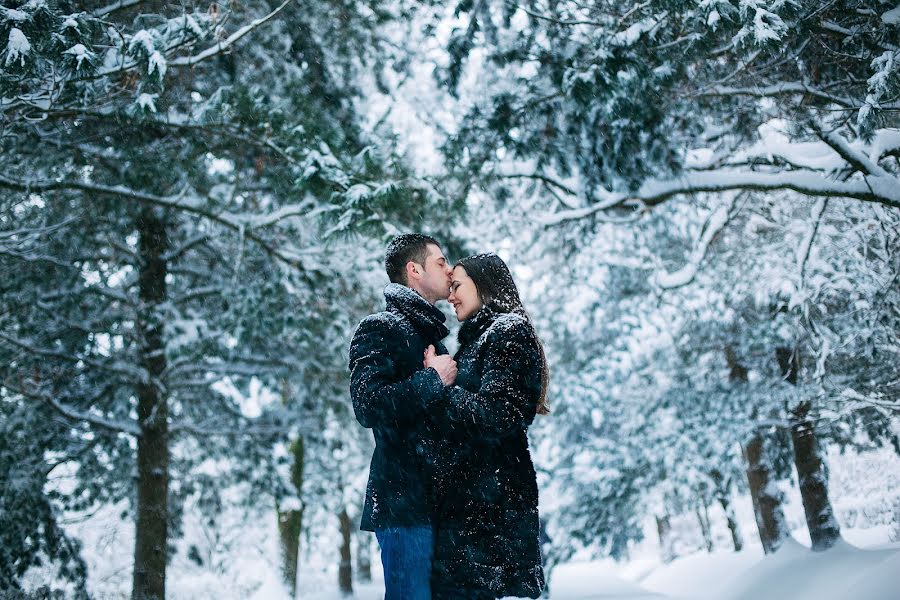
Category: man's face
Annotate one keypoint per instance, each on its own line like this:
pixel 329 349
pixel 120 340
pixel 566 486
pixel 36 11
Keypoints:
pixel 435 282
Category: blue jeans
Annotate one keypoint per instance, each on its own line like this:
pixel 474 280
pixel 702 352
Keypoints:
pixel 406 554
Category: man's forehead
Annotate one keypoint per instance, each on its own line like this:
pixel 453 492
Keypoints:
pixel 435 251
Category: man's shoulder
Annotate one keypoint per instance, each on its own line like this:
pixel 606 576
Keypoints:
pixel 384 325
pixel 381 321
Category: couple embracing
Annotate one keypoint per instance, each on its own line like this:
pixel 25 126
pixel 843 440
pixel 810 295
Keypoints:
pixel 452 495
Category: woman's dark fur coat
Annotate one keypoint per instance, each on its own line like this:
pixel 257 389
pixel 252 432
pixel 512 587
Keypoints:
pixel 486 525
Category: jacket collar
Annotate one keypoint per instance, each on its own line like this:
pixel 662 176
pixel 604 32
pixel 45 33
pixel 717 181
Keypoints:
pixel 477 324
pixel 423 315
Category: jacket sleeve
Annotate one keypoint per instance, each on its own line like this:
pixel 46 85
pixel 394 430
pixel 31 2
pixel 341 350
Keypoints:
pixel 379 399
pixel 510 386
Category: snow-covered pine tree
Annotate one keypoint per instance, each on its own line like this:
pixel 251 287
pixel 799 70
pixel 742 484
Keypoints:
pixel 166 172
pixel 613 107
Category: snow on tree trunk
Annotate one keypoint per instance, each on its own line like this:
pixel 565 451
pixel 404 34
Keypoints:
pixel 345 570
pixel 812 475
pixel 728 509
pixel 151 533
pixel 894 534
pixel 666 541
pixel 363 556
pixel 702 512
pixel 767 498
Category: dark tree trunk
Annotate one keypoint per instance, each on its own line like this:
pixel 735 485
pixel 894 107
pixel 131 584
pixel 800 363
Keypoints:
pixel 290 522
pixel 151 535
pixel 728 509
pixel 702 510
pixel 345 570
pixel 363 556
pixel 824 530
pixel 767 498
pixel 290 519
pixel 664 530
pixel 812 475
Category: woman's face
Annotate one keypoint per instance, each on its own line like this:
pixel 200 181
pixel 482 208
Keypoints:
pixel 463 294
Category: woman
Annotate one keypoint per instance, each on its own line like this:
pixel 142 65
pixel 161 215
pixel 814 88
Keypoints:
pixel 486 525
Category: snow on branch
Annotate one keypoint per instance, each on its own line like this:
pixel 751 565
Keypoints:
pixel 857 159
pixel 214 429
pixel 806 245
pixel 111 8
pixel 715 224
pixel 779 89
pixel 130 372
pixel 190 61
pixel 191 205
pixel 879 189
pixel 74 414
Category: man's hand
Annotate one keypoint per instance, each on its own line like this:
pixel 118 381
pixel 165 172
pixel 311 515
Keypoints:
pixel 443 364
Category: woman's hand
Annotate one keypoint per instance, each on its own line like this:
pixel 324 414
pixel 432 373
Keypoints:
pixel 443 364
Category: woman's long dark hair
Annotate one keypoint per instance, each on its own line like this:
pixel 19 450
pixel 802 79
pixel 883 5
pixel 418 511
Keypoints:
pixel 498 291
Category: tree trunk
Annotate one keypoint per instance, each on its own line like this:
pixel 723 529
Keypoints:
pixel 812 475
pixel 767 498
pixel 151 535
pixel 290 523
pixel 290 519
pixel 824 530
pixel 345 570
pixel 363 556
pixel 702 511
pixel 664 530
pixel 727 508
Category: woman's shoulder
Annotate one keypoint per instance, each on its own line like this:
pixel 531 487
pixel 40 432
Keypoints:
pixel 509 326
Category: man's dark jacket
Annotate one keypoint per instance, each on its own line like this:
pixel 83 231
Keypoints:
pixel 486 526
pixel 390 389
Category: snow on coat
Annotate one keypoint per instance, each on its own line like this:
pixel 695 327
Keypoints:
pixel 390 390
pixel 486 524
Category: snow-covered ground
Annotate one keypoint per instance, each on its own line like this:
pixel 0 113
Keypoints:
pixel 239 555
pixel 846 572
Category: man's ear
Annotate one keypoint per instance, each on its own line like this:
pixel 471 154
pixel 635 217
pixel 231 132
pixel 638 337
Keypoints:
pixel 412 271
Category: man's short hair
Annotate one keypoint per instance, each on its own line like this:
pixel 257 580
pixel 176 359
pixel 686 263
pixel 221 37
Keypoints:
pixel 403 249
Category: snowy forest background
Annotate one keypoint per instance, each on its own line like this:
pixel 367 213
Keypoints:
pixel 700 201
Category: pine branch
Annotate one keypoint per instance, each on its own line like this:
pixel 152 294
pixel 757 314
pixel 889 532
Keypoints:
pixel 190 61
pixel 130 373
pixel 74 414
pixel 178 202
pixel 817 212
pixel 876 189
pixel 711 229
pixel 779 89
pixel 214 429
pixel 857 159
pixel 111 8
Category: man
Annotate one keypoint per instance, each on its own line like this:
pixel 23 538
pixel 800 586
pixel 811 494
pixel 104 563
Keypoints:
pixel 390 388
